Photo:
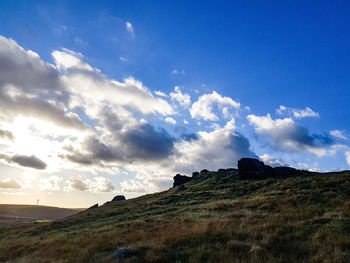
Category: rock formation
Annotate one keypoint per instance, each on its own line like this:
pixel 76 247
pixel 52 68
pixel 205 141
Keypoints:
pixel 118 198
pixel 181 179
pixel 250 168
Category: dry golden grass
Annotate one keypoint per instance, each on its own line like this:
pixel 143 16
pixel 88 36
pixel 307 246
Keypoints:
pixel 217 218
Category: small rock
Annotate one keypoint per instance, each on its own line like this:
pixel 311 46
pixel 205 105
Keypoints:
pixel 118 198
pixel 255 249
pixel 121 253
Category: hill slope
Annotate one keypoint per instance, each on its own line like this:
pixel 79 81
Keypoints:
pixel 36 211
pixel 213 218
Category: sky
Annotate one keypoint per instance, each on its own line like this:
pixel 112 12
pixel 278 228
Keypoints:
pixel 99 98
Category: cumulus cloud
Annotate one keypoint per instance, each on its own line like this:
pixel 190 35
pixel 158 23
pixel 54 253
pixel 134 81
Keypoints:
pixel 25 161
pixel 296 113
pixel 92 87
pixel 97 184
pixel 206 151
pixel 141 142
pixel 286 135
pixel 338 134
pixel 182 98
pixel 9 183
pixel 30 87
pixel 203 107
pixel 25 70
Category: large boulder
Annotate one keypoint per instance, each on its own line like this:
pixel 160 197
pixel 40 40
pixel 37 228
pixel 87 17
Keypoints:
pixel 251 168
pixel 118 198
pixel 181 179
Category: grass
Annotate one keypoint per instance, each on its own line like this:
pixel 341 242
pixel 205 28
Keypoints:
pixel 216 218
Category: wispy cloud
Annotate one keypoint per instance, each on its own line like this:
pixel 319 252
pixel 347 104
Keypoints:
pixel 297 113
pixel 129 28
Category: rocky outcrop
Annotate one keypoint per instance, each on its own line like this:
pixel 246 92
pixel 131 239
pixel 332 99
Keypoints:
pixel 118 198
pixel 204 171
pixel 181 179
pixel 251 168
pixel 195 174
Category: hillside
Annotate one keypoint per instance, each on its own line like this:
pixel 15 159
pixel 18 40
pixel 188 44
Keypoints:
pixel 35 212
pixel 214 218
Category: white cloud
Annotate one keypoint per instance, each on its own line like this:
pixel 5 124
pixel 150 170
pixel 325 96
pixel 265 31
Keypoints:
pixel 160 93
pixel 296 113
pixel 272 161
pixel 220 148
pixel 95 88
pixel 185 122
pixel 183 99
pixel 97 184
pixel 52 183
pixel 129 27
pixel 170 120
pixel 178 72
pixel 347 157
pixel 134 186
pixel 203 107
pixel 338 134
pixel 123 59
pixel 67 59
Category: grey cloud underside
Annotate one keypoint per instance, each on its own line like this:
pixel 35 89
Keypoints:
pixel 7 135
pixel 25 161
pixel 78 184
pixel 37 107
pixel 301 138
pixel 143 142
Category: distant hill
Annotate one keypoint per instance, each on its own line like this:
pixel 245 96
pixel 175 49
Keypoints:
pixel 215 217
pixel 33 212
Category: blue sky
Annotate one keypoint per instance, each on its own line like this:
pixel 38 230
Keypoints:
pixel 159 82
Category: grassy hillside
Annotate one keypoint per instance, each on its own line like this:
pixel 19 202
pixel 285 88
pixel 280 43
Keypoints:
pixel 214 218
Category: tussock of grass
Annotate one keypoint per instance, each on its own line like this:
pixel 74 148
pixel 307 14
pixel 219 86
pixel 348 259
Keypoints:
pixel 216 218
